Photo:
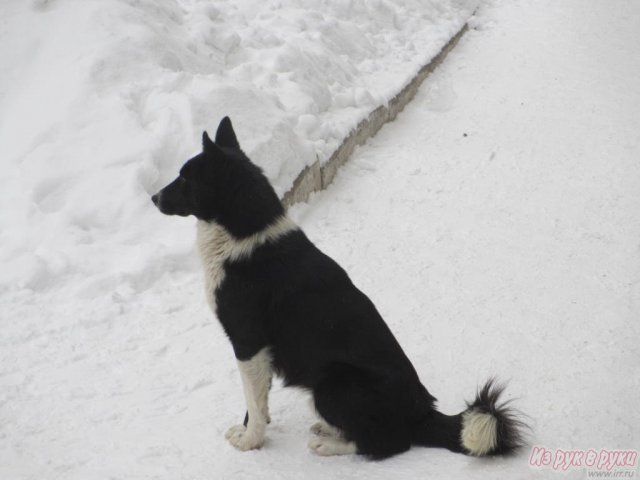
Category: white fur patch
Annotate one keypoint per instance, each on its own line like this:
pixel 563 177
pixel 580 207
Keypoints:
pixel 327 446
pixel 322 428
pixel 216 245
pixel 479 432
pixel 256 379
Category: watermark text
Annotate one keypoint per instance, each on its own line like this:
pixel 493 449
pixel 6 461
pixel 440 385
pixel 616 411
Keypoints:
pixel 602 460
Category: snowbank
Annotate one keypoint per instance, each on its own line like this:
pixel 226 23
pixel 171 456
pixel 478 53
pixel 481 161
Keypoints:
pixel 101 101
pixel 498 213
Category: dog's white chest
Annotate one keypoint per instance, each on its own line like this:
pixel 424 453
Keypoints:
pixel 212 241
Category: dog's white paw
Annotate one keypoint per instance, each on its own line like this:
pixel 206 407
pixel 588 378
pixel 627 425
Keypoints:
pixel 323 428
pixel 233 430
pixel 317 428
pixel 243 439
pixel 327 446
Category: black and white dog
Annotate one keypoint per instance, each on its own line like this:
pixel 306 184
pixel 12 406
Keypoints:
pixel 291 310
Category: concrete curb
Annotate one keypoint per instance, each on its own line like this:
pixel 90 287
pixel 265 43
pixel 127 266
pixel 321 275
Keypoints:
pixel 317 177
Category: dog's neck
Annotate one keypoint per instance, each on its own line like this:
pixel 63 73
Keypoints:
pixel 216 245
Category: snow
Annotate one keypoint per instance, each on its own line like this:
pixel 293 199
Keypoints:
pixel 494 224
pixel 103 99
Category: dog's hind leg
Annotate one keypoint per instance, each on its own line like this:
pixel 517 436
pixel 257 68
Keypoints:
pixel 321 427
pixel 256 376
pixel 369 409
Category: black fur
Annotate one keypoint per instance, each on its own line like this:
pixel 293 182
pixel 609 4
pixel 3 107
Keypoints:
pixel 324 334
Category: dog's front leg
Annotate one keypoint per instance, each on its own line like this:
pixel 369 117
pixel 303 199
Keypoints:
pixel 256 379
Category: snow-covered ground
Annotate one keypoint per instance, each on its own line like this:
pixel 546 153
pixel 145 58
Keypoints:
pixel 100 99
pixel 495 225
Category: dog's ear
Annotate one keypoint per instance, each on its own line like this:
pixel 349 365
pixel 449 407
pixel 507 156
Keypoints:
pixel 225 136
pixel 207 145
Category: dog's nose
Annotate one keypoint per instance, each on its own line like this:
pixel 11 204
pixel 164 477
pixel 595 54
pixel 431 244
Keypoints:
pixel 155 198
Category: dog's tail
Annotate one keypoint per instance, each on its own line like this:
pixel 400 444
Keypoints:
pixel 484 428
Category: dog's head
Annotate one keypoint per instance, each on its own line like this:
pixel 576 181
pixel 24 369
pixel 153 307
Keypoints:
pixel 222 185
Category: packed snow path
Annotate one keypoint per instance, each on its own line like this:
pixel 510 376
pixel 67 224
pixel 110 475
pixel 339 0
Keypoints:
pixel 494 224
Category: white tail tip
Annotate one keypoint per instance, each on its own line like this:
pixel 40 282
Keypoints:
pixel 479 434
